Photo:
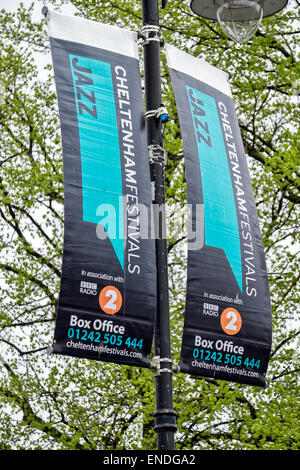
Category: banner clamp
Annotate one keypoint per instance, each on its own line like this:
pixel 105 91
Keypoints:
pixel 157 154
pixel 160 113
pixel 45 11
pixel 157 369
pixel 145 34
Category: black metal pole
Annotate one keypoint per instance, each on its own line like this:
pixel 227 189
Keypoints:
pixel 164 415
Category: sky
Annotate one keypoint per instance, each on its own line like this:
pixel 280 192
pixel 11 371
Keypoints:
pixel 12 5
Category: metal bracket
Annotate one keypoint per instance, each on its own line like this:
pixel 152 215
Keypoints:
pixel 159 113
pixel 150 33
pixel 157 154
pixel 45 10
pixel 155 365
pixel 160 416
pixel 157 369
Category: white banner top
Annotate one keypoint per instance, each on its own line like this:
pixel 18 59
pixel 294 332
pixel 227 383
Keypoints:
pixel 92 33
pixel 197 68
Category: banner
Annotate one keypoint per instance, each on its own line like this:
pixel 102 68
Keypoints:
pixel 108 288
pixel 227 328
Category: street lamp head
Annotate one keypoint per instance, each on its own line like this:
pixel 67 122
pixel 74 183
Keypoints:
pixel 239 19
pixel 208 8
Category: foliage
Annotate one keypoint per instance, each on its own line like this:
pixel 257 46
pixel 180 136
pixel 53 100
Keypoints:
pixel 50 402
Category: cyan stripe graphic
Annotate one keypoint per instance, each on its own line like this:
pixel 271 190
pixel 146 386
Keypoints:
pixel 220 217
pixel 99 145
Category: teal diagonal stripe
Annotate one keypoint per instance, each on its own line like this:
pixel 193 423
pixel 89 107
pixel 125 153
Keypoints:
pixel 99 146
pixel 220 216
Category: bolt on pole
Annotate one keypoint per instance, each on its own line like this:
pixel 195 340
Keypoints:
pixel 165 416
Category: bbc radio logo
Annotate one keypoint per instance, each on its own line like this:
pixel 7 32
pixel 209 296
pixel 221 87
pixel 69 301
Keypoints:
pixel 211 309
pixel 230 319
pixel 88 288
pixel 110 298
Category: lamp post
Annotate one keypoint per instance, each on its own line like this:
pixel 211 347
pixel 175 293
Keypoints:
pixel 164 414
pixel 239 19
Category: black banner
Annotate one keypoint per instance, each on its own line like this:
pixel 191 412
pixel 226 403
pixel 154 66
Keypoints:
pixel 227 328
pixel 108 288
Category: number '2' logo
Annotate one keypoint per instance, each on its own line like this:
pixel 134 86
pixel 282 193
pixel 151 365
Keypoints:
pixel 231 321
pixel 110 300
